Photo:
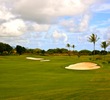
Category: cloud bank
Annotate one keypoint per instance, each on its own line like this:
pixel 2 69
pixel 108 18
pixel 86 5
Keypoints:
pixel 45 12
pixel 38 18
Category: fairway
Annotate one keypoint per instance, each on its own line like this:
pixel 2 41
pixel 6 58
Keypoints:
pixel 24 79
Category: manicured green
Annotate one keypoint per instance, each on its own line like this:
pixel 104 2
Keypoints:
pixel 22 79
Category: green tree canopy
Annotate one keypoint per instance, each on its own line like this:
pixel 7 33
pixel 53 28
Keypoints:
pixel 5 48
pixel 104 45
pixel 20 50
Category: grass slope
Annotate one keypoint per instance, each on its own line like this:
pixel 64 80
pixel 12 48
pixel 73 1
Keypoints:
pixel 22 79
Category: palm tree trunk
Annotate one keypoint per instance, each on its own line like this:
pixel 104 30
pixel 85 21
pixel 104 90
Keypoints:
pixel 94 51
pixel 104 53
pixel 69 52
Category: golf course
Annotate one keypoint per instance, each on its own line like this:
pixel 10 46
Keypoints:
pixel 54 49
pixel 25 79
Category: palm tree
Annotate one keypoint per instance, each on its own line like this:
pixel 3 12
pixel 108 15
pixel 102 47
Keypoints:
pixel 73 46
pixel 68 45
pixel 105 45
pixel 93 38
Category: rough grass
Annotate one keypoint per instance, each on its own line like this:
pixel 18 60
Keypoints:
pixel 22 79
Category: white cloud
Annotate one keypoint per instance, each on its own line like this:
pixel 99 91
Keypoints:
pixel 40 13
pixel 102 7
pixel 5 13
pixel 16 27
pixel 84 23
pixel 45 11
pixel 58 36
pixel 12 28
pixel 40 27
pixel 77 24
pixel 68 25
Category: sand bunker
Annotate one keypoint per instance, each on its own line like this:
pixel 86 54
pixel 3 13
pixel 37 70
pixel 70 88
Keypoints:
pixel 40 59
pixel 32 58
pixel 44 60
pixel 83 66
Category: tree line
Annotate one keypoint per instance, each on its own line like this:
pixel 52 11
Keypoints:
pixel 93 39
pixel 6 49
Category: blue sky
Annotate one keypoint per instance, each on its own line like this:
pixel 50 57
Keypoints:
pixel 49 24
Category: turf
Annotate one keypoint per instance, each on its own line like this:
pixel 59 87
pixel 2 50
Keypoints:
pixel 22 79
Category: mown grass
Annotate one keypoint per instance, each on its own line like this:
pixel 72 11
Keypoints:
pixel 22 79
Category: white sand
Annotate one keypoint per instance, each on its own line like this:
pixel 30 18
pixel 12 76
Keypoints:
pixel 83 66
pixel 40 59
pixel 44 60
pixel 32 58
